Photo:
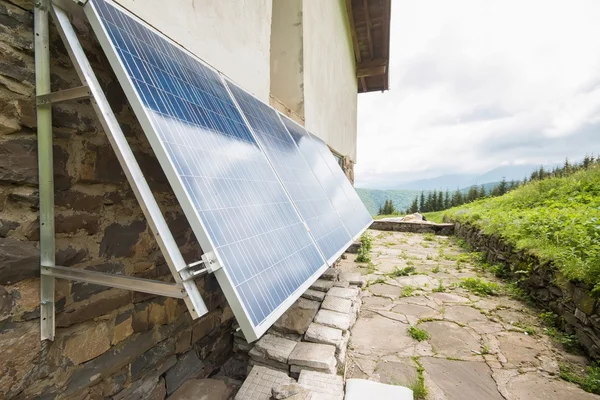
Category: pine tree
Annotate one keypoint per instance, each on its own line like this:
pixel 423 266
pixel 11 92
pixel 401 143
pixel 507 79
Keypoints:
pixel 481 193
pixel 422 202
pixel 472 194
pixel 447 200
pixel 414 207
pixel 502 187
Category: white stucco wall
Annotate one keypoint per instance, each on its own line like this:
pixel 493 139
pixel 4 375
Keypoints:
pixel 330 89
pixel 231 35
pixel 287 78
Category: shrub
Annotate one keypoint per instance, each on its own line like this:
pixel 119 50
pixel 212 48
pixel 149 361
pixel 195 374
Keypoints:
pixel 363 254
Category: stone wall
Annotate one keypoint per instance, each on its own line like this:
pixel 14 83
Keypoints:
pixel 546 285
pixel 109 342
pixel 413 227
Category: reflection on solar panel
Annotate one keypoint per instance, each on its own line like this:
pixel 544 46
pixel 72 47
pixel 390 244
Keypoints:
pixel 223 180
pixel 344 198
pixel 299 180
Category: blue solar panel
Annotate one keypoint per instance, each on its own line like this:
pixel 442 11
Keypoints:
pixel 297 178
pixel 228 189
pixel 344 198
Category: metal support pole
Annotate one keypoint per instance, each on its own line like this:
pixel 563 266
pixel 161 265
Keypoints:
pixel 45 166
pixel 132 170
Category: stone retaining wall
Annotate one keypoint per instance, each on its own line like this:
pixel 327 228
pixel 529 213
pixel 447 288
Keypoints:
pixel 109 342
pixel 546 285
pixel 413 227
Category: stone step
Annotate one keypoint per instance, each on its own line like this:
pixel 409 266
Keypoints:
pixel 316 295
pixel 338 304
pixel 318 333
pixel 322 285
pixel 333 319
pixel 313 355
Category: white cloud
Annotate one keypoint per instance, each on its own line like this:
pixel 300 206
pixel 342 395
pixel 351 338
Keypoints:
pixel 479 83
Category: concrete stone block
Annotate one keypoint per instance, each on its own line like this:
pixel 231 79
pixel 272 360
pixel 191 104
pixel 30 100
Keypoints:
pixel 333 319
pixel 331 274
pixel 315 295
pixel 260 382
pixel 338 304
pixel 298 317
pixel 274 347
pixel 317 333
pixel 324 384
pixel 350 293
pixel 314 355
pixel 322 285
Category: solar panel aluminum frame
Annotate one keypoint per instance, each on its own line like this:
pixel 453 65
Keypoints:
pixel 315 137
pixel 251 332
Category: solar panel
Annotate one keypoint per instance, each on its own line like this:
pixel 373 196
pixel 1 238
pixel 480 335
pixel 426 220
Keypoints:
pixel 344 198
pixel 298 179
pixel 225 184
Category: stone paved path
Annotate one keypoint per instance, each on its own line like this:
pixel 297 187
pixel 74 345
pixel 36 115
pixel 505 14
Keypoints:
pixel 478 347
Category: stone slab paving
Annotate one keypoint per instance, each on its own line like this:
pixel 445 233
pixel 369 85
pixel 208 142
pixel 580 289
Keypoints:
pixel 478 347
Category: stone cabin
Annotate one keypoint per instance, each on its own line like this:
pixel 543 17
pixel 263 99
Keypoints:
pixel 308 58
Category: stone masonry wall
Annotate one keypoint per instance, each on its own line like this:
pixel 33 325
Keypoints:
pixel 546 285
pixel 109 342
pixel 412 227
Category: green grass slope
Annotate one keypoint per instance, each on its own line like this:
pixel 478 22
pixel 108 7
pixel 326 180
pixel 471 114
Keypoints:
pixel 557 219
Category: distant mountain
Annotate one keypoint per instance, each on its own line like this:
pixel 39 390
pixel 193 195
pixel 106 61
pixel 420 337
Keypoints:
pixel 374 198
pixel 510 172
pixel 402 199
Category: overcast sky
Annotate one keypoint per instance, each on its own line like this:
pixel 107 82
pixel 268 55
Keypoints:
pixel 475 84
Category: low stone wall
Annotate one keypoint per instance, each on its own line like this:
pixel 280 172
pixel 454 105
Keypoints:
pixel 546 285
pixel 413 227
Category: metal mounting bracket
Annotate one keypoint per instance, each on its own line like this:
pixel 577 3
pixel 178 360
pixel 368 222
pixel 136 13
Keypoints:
pixel 184 287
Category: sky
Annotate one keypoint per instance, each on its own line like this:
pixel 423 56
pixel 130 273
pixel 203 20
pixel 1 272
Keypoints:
pixel 477 84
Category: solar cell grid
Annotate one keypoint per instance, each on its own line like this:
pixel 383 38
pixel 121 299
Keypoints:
pixel 296 176
pixel 227 187
pixel 333 180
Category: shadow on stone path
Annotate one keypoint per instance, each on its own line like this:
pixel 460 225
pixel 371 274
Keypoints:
pixel 478 347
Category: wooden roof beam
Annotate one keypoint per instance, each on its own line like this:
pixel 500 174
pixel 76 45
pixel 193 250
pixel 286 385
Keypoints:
pixel 368 23
pixel 371 71
pixel 353 31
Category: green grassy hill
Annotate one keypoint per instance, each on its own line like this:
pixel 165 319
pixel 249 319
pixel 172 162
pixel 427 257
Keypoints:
pixel 557 219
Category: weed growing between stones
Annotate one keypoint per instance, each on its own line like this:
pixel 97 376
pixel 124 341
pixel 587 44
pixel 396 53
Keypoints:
pixel 406 271
pixel 366 242
pixel 528 329
pixel 435 269
pixel 418 333
pixel 429 237
pixel 440 287
pixel 480 286
pixel 376 281
pixel 418 387
pixel 407 291
pixel 588 378
pixel 553 322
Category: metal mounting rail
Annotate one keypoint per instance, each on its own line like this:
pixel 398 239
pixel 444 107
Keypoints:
pixel 117 281
pixel 185 287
